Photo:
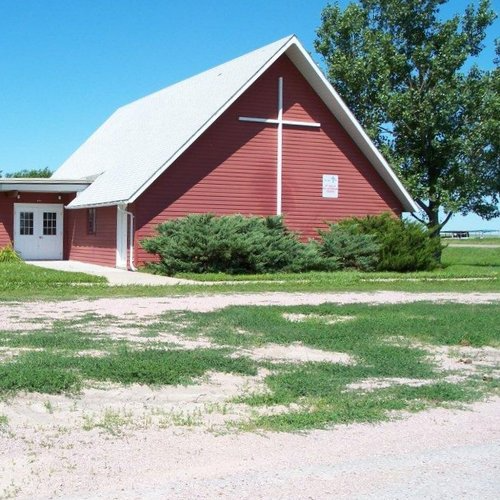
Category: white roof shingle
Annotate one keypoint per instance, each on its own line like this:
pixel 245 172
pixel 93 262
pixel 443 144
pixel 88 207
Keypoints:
pixel 140 140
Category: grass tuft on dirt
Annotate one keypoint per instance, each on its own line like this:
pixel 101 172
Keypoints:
pixel 346 408
pixel 400 346
pixel 50 372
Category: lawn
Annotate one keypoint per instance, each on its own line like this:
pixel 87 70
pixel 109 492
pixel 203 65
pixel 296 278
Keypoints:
pixel 393 355
pixel 487 240
pixel 18 275
pixel 464 269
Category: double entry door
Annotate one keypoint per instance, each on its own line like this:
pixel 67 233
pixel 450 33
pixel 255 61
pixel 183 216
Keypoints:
pixel 38 231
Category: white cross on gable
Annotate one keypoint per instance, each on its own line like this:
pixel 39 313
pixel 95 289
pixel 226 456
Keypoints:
pixel 280 122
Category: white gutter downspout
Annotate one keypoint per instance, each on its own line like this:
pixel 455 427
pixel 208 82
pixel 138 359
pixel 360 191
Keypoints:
pixel 131 238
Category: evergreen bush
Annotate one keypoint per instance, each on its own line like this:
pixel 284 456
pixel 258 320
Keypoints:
pixel 204 243
pixel 404 246
pixel 235 244
pixel 345 248
pixel 309 258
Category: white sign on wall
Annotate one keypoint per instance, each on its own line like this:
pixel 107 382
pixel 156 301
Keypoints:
pixel 330 186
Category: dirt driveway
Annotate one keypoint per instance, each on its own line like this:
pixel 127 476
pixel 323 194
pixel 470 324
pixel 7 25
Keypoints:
pixel 57 447
pixel 435 454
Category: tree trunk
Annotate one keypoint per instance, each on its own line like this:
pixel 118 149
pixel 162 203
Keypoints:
pixel 435 227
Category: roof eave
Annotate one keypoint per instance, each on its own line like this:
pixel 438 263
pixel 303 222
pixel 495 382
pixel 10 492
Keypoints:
pixel 42 185
pixel 74 206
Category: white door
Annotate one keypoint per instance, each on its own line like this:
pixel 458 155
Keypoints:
pixel 38 231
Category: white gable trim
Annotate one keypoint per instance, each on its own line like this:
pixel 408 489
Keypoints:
pixel 305 64
pixel 315 77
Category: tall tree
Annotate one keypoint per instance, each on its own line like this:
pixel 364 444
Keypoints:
pixel 400 68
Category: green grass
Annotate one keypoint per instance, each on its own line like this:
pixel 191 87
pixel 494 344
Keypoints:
pixel 349 407
pixel 440 324
pixel 51 372
pixel 63 335
pixel 54 339
pixel 480 265
pixel 471 261
pixel 491 240
pixel 380 339
pixel 19 275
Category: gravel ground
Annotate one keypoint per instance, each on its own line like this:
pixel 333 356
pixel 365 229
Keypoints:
pixel 12 313
pixel 51 450
pixel 434 454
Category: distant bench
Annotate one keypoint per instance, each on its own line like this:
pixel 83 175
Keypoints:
pixel 455 234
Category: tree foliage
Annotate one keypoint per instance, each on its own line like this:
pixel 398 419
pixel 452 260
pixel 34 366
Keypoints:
pixel 401 70
pixel 30 173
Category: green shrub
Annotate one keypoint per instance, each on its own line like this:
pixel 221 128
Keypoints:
pixel 404 246
pixel 204 243
pixel 344 248
pixel 8 254
pixel 309 258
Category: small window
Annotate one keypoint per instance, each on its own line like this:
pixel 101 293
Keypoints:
pixel 91 221
pixel 49 223
pixel 26 223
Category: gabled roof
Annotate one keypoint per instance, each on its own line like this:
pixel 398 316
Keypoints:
pixel 142 139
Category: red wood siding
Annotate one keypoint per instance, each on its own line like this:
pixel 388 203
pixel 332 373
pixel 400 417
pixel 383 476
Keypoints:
pixel 308 154
pixel 231 168
pixel 98 248
pixel 6 219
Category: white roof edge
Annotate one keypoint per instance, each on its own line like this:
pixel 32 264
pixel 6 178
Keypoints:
pixel 287 41
pixel 42 185
pixel 356 132
pixel 94 205
pixel 41 180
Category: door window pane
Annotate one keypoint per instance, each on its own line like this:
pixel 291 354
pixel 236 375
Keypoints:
pixel 26 223
pixel 49 223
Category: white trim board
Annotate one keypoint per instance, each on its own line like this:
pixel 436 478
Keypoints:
pixel 279 143
pixel 121 237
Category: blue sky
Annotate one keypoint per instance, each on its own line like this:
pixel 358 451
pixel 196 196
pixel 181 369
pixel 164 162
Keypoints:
pixel 66 65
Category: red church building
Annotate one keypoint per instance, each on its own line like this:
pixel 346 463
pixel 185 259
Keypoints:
pixel 262 134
